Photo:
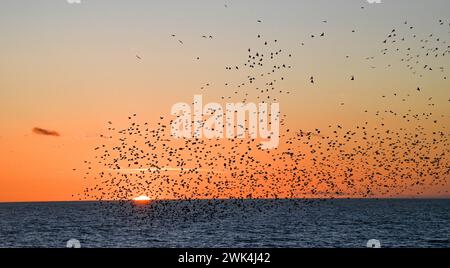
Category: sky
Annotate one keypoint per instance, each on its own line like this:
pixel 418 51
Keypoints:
pixel 71 68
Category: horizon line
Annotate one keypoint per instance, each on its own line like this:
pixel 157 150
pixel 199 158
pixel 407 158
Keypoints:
pixel 221 199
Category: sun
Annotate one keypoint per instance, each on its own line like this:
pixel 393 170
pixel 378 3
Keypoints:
pixel 142 199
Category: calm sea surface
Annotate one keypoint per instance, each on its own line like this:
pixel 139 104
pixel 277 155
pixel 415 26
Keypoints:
pixel 230 223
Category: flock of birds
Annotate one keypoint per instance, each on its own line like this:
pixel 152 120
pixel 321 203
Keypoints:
pixel 391 153
pixel 417 53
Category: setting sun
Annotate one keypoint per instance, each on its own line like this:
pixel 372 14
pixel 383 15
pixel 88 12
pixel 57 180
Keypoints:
pixel 142 198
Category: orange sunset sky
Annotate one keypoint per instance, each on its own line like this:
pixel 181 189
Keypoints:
pixel 71 68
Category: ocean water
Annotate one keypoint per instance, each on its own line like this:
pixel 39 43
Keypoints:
pixel 228 223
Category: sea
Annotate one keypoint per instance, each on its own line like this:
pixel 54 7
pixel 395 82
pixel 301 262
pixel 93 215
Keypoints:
pixel 283 223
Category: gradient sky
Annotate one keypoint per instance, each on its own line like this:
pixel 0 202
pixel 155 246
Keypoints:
pixel 72 67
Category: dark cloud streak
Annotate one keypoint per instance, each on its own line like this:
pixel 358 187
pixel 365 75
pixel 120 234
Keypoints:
pixel 46 132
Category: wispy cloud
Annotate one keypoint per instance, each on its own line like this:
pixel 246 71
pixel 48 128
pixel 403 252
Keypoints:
pixel 46 132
